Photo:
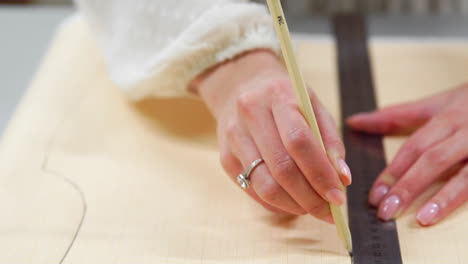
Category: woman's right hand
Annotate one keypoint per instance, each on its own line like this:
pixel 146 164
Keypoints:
pixel 252 99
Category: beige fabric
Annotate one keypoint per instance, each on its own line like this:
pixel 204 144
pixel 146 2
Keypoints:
pixel 146 178
pixel 418 70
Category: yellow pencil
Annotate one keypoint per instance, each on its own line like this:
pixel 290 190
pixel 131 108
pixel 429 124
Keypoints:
pixel 304 103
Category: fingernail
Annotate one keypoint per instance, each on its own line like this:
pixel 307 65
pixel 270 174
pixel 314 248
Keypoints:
pixel 377 194
pixel 335 196
pixel 389 208
pixel 344 170
pixel 428 213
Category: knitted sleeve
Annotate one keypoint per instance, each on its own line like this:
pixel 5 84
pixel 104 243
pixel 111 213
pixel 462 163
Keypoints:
pixel 156 47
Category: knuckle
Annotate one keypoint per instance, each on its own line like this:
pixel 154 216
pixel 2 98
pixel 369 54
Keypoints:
pixel 279 85
pixel 283 166
pixel 436 158
pixel 246 102
pixel 450 120
pixel 270 192
pixel 297 139
pixel 414 148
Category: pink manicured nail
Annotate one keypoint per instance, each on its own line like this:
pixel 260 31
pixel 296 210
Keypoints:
pixel 336 196
pixel 344 169
pixel 377 194
pixel 428 213
pixel 389 208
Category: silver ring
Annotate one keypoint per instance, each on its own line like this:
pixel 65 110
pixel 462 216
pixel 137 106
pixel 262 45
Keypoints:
pixel 244 179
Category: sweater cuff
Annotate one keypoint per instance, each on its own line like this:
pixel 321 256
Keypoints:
pixel 219 34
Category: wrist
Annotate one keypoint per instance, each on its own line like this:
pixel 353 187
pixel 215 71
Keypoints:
pixel 216 85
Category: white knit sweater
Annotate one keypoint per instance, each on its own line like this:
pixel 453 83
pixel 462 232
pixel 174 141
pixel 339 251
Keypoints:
pixel 155 47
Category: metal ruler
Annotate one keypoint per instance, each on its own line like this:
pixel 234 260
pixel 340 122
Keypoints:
pixel 374 242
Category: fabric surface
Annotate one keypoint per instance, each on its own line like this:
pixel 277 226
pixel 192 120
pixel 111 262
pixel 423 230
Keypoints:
pixel 155 47
pixel 87 177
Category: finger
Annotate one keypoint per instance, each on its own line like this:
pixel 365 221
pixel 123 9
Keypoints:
pixel 281 165
pixel 262 183
pixel 332 140
pixel 427 169
pixel 453 195
pixel 233 167
pixel 398 118
pixel 431 134
pixel 305 150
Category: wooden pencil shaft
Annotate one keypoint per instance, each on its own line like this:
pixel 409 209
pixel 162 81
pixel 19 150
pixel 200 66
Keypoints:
pixel 304 101
pixel 293 68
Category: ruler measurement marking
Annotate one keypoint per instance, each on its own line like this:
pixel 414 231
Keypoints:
pixel 374 242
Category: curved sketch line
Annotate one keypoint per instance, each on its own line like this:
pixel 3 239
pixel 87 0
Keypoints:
pixel 83 203
pixel 67 180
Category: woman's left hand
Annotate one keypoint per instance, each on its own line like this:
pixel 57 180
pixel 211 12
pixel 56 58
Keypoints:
pixel 437 150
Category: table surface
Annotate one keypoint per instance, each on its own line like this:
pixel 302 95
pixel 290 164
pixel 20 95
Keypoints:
pixel 24 44
pixel 118 182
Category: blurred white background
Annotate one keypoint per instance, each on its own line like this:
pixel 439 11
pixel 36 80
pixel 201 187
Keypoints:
pixel 417 7
pixel 323 7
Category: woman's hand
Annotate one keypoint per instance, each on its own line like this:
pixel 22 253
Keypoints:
pixel 437 150
pixel 254 104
